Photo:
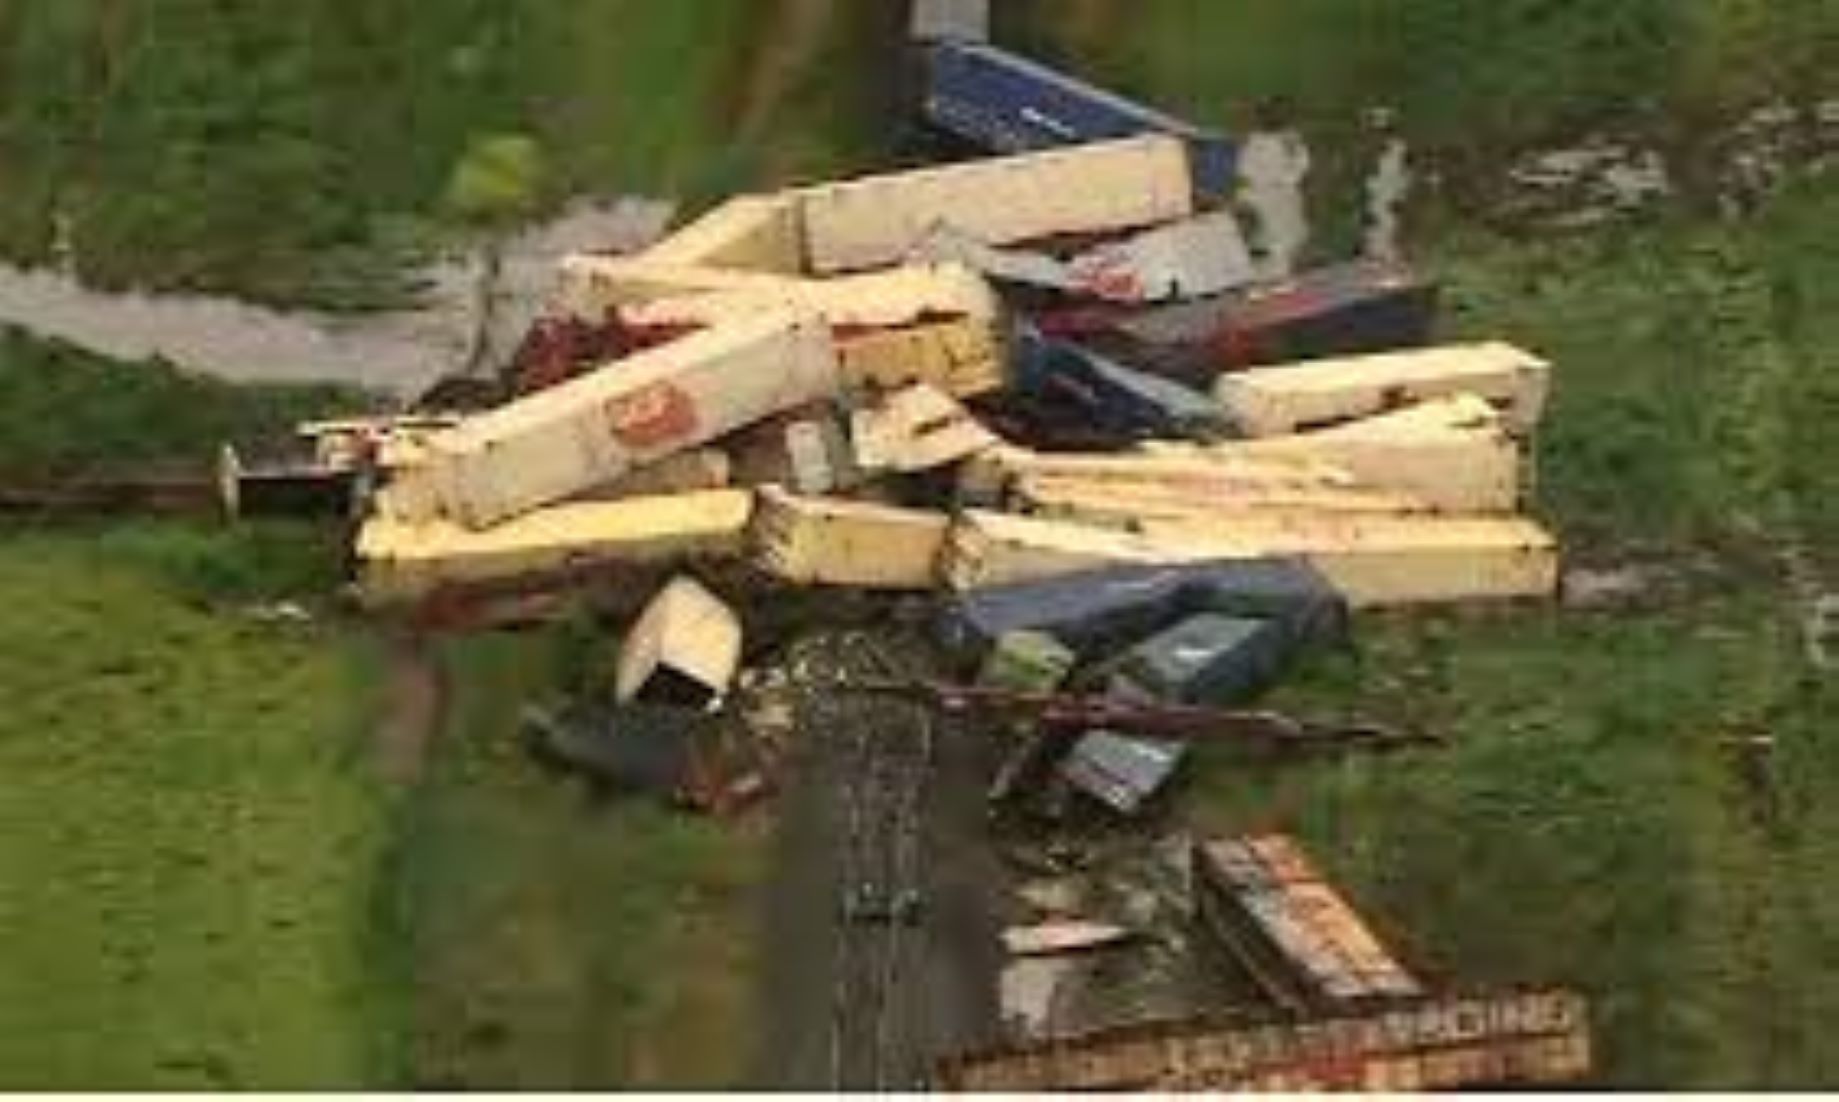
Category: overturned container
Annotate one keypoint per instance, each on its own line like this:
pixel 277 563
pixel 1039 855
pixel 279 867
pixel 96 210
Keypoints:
pixel 684 648
pixel 592 429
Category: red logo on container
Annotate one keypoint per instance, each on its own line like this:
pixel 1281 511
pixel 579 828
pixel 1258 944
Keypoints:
pixel 652 415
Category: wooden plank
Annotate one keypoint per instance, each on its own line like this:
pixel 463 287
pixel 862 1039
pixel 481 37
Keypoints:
pixel 596 427
pixel 961 356
pixel 833 541
pixel 400 562
pixel 1371 559
pixel 1267 401
pixel 873 221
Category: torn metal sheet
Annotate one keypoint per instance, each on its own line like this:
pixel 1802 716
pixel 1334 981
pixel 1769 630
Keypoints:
pixel 962 356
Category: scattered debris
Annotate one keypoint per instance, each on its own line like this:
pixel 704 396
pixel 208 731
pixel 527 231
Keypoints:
pixel 1062 936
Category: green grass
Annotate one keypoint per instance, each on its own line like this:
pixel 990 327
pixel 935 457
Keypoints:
pixel 552 942
pixel 64 411
pixel 300 151
pixel 1471 81
pixel 1591 822
pixel 190 830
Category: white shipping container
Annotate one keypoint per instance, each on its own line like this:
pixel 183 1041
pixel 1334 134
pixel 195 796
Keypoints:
pixel 594 428
pixel 1282 398
pixel 1119 185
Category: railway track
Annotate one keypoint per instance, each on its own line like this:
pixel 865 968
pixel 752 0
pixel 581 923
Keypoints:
pixel 877 762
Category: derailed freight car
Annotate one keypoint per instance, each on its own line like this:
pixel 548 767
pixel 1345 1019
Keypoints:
pixel 1468 1040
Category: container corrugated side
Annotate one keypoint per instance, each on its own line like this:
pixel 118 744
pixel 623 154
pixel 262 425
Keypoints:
pixel 873 221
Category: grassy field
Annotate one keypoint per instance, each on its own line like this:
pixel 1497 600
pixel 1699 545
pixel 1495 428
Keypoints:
pixel 296 152
pixel 552 941
pixel 1596 820
pixel 206 884
pixel 189 830
pixel 64 411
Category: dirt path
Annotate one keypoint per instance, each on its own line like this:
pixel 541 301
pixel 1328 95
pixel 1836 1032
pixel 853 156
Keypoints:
pixel 412 701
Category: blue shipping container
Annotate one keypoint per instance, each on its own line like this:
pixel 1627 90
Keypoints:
pixel 1009 104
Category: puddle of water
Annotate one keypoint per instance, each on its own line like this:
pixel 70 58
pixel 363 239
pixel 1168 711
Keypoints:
pixel 397 351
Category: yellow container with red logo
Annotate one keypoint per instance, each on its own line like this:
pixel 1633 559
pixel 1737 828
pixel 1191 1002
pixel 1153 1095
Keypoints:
pixel 597 427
